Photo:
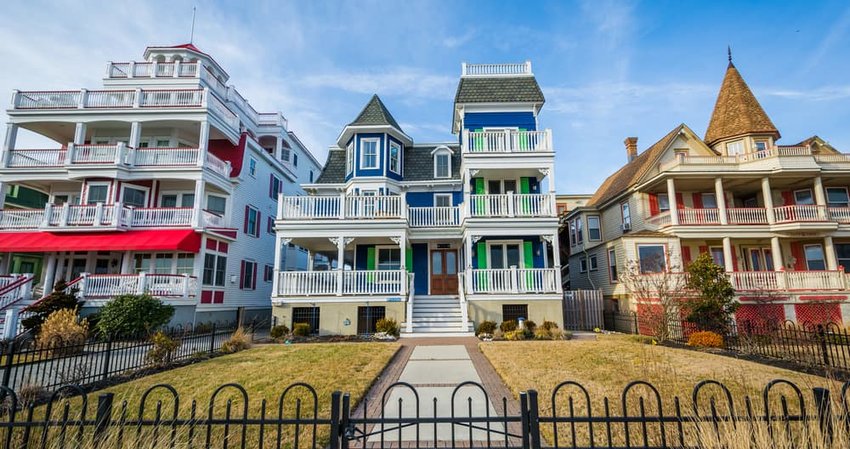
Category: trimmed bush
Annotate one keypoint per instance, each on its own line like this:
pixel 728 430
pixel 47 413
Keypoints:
pixel 237 342
pixel 508 326
pixel 301 329
pixel 56 300
pixel 486 327
pixel 387 325
pixel 529 325
pixel 279 331
pixel 705 339
pixel 162 348
pixel 62 333
pixel 549 325
pixel 133 314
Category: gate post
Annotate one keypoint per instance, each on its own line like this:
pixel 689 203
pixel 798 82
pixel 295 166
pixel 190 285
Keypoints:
pixel 335 419
pixel 824 410
pixel 103 416
pixel 534 419
pixel 524 419
pixel 347 433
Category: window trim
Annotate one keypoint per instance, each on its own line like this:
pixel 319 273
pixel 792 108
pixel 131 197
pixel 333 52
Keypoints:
pixel 125 186
pixel 448 156
pixel 666 199
pixel 710 195
pixel 247 229
pixel 378 249
pixel 823 254
pixel 349 158
pixel 252 166
pixel 274 180
pixel 244 274
pixel 626 219
pixel 616 274
pixel 582 264
pixel 664 254
pixel 106 184
pixel 811 195
pixel 591 261
pixel 177 193
pixel 519 243
pixel 598 228
pixel 377 141
pixel 579 230
pixel 396 146
pixel 740 144
pixel 444 195
pixel 207 202
pixel 846 195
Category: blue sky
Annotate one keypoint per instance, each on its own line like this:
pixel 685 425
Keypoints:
pixel 609 69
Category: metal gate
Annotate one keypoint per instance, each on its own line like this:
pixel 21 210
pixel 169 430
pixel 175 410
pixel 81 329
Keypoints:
pixel 583 310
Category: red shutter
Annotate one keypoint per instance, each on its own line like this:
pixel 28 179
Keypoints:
pixel 686 256
pixel 257 229
pixel 254 278
pixel 241 273
pixel 245 221
pixel 680 201
pixel 697 200
pixel 799 255
pixel 653 204
pixel 734 259
pixel 787 198
pixel 703 249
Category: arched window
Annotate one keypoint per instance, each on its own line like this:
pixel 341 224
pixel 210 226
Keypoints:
pixel 442 162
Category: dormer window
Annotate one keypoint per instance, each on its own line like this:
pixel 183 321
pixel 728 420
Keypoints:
pixel 349 158
pixel 368 153
pixel 761 145
pixel 395 158
pixel 442 162
pixel 735 148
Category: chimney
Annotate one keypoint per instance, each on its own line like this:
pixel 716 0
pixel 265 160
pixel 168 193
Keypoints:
pixel 631 148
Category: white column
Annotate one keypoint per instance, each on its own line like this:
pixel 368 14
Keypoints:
pixel 203 142
pixel 820 197
pixel 198 206
pixel 671 198
pixel 468 258
pixel 49 274
pixel 776 252
pixel 135 137
pixel 768 199
pixel 720 196
pixel 80 134
pixel 727 254
pixel 556 260
pixel 9 143
pixel 278 147
pixel 340 257
pixel 829 252
pixel 5 263
pixel 277 268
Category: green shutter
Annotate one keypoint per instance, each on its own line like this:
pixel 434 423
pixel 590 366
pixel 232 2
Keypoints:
pixel 525 188
pixel 481 257
pixel 370 262
pixel 523 139
pixel 478 143
pixel 528 256
pixel 408 260
pixel 479 204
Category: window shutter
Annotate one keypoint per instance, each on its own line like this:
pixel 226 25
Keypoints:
pixel 524 185
pixel 697 200
pixel 241 274
pixel 481 255
pixel 257 226
pixel 653 204
pixel 528 254
pixel 523 139
pixel 686 256
pixel 271 186
pixel 787 198
pixel 408 259
pixel 254 278
pixel 799 256
pixel 680 201
pixel 245 221
pixel 479 186
pixel 370 258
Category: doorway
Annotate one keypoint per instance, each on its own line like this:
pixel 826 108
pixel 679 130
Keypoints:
pixel 444 272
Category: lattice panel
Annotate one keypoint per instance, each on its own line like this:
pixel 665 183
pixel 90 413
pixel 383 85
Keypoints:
pixel 818 313
pixel 759 315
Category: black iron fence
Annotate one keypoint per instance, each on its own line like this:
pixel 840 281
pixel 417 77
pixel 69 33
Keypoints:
pixel 35 367
pixel 642 417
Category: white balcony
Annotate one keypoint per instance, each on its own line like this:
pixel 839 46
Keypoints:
pixel 100 217
pixel 800 213
pixel 512 280
pixel 434 217
pixel 756 160
pixel 340 207
pixel 746 215
pixel 808 213
pixel 121 70
pixel 340 283
pixel 508 141
pixel 511 205
pixel 107 286
pixel 764 281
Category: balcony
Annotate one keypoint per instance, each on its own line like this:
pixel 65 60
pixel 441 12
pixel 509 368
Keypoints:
pixel 125 70
pixel 107 286
pixel 777 156
pixel 808 213
pixel 434 217
pixel 509 141
pixel 340 207
pixel 513 281
pixel 747 282
pixel 512 205
pixel 82 156
pixel 99 217
pixel 342 283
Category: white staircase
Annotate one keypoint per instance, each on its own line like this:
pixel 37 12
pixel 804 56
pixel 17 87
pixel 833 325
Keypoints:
pixel 15 295
pixel 437 316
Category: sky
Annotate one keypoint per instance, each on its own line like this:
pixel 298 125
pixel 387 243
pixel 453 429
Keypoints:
pixel 608 69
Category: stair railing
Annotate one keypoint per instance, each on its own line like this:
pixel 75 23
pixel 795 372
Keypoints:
pixel 409 321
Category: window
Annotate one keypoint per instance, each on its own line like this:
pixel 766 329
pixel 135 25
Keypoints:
pixel 395 158
pixel 295 159
pixel 717 256
pixel 735 148
pixel 252 221
pixel 252 167
pixel 388 258
pixel 270 225
pixel 651 258
pixel 579 230
pixel 803 197
pixel 368 317
pixel 368 153
pixel 837 197
pixel 349 158
pixel 594 264
pixel 216 204
pixel 842 251
pixel 214 269
pixel 442 165
pixel 142 262
pixel 97 193
pixel 582 264
pixel 442 200
pixel 761 145
pixel 249 275
pixel 177 200
pixel 627 217
pixel 572 233
pixel 311 175
pixel 594 232
pixel 663 202
pixel 268 273
pixel 513 312
pixel 612 265
pixel 276 186
pixel 163 143
pixel 185 264
pixel 709 201
pixel 504 255
pixel 132 196
pixel 309 315
pixel 814 257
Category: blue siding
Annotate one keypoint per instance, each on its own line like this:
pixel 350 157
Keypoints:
pixel 477 120
pixel 533 185
pixel 420 268
pixel 536 246
pixel 360 256
pixel 426 199
pixel 390 174
pixel 381 155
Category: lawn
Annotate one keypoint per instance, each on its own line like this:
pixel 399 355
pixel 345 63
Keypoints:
pixel 264 372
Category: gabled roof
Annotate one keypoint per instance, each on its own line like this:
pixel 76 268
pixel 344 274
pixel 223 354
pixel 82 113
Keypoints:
pixel 737 112
pixel 417 164
pixel 375 113
pixel 632 172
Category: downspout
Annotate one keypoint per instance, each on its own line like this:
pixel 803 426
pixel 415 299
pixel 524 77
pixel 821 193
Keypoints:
pixel 587 258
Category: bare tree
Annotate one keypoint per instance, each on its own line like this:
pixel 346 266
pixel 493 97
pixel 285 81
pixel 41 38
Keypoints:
pixel 661 285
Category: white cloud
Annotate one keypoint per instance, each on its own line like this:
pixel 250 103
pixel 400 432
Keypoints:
pixel 826 93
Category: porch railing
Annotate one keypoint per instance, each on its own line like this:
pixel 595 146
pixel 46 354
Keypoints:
pixel 357 282
pixel 340 207
pixel 433 217
pixel 752 156
pixel 746 215
pixel 36 158
pixel 513 280
pixel 511 205
pixel 699 216
pixel 809 212
pixel 164 157
pixel 374 282
pixel 804 280
pixel 96 286
pixel 101 215
pixel 839 214
pixel 508 141
pixel 307 283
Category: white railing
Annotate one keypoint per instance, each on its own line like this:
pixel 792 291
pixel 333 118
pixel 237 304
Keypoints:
pixel 433 217
pixel 172 98
pixel 514 280
pixel 814 280
pixel 839 214
pixel 776 151
pixel 223 112
pixel 374 282
pixel 746 215
pixel 217 165
pixel 699 216
pixel 99 215
pixel 754 280
pixel 15 288
pixel 161 157
pixel 36 158
pixel 162 216
pixel 750 281
pixel 21 218
pixel 411 289
pixel 213 220
pixel 309 207
pixel 159 285
pixel 146 69
pixel 109 99
pixel 171 285
pixel 370 207
pixel 807 212
pixel 511 205
pixel 307 283
pixel 833 158
pixel 94 154
pixel 537 280
pixel 464 306
pixel 47 100
pixel 509 141
pixel 521 68
pixel 660 219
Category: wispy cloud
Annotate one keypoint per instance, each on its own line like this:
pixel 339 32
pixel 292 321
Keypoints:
pixel 457 41
pixel 826 93
pixel 835 34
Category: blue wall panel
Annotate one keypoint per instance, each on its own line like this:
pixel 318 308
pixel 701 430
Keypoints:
pixel 426 199
pixel 420 268
pixel 478 120
pixel 381 155
pixel 390 174
pixel 360 256
pixel 536 245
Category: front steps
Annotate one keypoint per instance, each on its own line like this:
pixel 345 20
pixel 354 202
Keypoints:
pixel 437 316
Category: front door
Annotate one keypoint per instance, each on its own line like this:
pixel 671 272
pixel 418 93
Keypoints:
pixel 443 272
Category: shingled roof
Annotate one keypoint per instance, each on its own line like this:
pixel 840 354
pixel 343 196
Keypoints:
pixel 375 114
pixel 630 173
pixel 418 165
pixel 502 89
pixel 737 112
pixel 334 170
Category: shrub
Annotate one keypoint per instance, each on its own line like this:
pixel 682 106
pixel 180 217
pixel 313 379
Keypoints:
pixel 542 334
pixel 712 308
pixel 514 335
pixel 237 342
pixel 486 327
pixel 508 326
pixel 705 339
pixel 57 300
pixel 301 329
pixel 132 314
pixel 529 325
pixel 388 325
pixel 549 325
pixel 162 348
pixel 279 331
pixel 62 333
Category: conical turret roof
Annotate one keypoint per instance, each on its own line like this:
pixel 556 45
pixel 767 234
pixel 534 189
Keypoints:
pixel 375 114
pixel 737 112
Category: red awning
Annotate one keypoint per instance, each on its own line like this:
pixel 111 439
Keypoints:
pixel 38 242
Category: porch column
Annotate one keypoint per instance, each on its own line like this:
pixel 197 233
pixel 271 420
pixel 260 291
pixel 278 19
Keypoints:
pixel 721 200
pixel 829 252
pixel 820 197
pixel 402 246
pixel 203 142
pixel 197 221
pixel 727 255
pixel 278 147
pixel 2 193
pixel 9 143
pixel 556 259
pixel 49 274
pixel 80 134
pixel 135 138
pixel 466 179
pixel 468 258
pixel 776 252
pixel 671 198
pixel 340 257
pixel 275 275
pixel 127 263
pixel 768 200
pixel 6 263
